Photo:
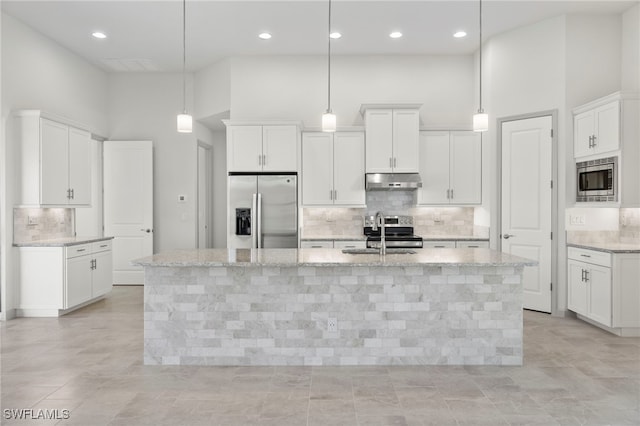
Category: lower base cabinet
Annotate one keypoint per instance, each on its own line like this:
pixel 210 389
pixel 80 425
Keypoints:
pixel 55 280
pixel 339 244
pixel 603 289
pixel 455 244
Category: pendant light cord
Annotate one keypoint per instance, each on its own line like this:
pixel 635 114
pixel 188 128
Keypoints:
pixel 480 15
pixel 184 55
pixel 329 62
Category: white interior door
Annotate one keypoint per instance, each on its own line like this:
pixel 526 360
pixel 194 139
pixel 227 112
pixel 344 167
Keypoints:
pixel 128 205
pixel 527 203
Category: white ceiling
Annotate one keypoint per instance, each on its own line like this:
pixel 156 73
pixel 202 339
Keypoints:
pixel 147 35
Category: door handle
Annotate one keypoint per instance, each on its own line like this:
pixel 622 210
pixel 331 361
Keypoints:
pixel 507 236
pixel 259 220
pixel 147 230
pixel 254 214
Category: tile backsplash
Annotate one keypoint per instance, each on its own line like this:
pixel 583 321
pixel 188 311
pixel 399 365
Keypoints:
pixel 321 222
pixel 45 224
pixel 626 230
pixel 629 225
pixel 396 202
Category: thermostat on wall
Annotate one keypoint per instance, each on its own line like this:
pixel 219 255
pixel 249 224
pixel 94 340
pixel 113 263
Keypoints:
pixel 182 198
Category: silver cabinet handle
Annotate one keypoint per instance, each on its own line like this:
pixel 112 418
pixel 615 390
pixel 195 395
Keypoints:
pixel 79 250
pixel 331 194
pixel 390 162
pixel 335 194
pixel 264 159
pixel 395 162
pixel 73 194
pixel 507 236
pixel 586 276
pixel 452 194
pixel 582 277
pixel 594 140
pixel 448 190
pixel 148 230
pixel 585 255
pixel 259 160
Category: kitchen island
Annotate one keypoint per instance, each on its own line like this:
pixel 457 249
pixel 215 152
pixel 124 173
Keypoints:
pixel 275 306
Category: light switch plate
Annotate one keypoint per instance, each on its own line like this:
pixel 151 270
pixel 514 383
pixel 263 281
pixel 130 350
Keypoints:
pixel 32 220
pixel 182 198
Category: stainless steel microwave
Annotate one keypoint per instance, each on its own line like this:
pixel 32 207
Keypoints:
pixel 597 180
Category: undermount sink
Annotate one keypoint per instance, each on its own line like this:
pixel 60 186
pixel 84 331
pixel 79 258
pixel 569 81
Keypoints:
pixel 390 250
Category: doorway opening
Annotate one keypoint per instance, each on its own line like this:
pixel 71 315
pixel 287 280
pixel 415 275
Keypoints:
pixel 205 176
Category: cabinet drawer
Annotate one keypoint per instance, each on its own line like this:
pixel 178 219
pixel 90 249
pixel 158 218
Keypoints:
pixel 317 244
pixel 439 244
pixel 350 244
pixel 79 250
pixel 101 246
pixel 472 244
pixel 589 256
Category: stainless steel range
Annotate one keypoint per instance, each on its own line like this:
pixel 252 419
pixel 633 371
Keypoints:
pixel 398 232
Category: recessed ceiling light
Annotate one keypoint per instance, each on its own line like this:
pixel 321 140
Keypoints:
pixel 460 34
pixel 264 36
pixel 395 34
pixel 335 35
pixel 98 34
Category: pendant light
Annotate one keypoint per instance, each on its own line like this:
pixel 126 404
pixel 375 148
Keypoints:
pixel 329 118
pixel 185 121
pixel 480 119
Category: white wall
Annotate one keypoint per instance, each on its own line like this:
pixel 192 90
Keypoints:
pixel 295 87
pixel 214 89
pixel 219 208
pixel 37 73
pixel 631 49
pixel 144 106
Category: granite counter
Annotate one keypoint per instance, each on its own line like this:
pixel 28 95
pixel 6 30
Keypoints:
pixel 272 307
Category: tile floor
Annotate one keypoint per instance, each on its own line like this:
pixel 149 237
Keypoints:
pixel 90 363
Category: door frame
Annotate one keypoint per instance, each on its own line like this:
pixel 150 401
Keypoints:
pixel 208 152
pixel 554 192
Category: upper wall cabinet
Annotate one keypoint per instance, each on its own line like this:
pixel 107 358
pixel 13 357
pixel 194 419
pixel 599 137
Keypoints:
pixel 392 134
pixel 55 162
pixel 610 126
pixel 450 167
pixel 333 169
pixel 597 130
pixel 262 148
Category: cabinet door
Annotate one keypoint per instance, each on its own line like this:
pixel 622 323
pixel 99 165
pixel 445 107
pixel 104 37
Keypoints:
pixel 317 169
pixel 583 129
pixel 379 140
pixel 465 175
pixel 439 244
pixel 54 163
pixel 348 168
pixel 472 244
pixel 434 168
pixel 102 274
pixel 406 131
pixel 343 244
pixel 316 244
pixel 279 148
pixel 244 148
pixel 79 167
pixel 599 285
pixel 78 281
pixel 577 291
pixel 607 119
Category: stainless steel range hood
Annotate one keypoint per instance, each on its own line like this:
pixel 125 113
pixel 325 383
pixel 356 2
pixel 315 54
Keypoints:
pixel 390 181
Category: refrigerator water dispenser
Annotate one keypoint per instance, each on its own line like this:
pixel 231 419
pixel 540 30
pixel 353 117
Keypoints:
pixel 243 221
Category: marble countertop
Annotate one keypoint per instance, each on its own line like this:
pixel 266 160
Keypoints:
pixel 364 237
pixel 610 247
pixel 330 257
pixel 61 242
pixel 358 237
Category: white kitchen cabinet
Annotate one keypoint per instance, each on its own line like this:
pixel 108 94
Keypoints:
pixel 609 126
pixel 55 162
pixel 392 139
pixel 316 244
pixel 338 244
pixel 450 168
pixel 602 289
pixel 262 148
pixel 472 244
pixel 333 169
pixel 439 244
pixel 56 280
pixel 597 130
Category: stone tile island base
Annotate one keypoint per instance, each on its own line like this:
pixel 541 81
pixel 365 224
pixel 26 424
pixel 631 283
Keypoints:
pixel 254 314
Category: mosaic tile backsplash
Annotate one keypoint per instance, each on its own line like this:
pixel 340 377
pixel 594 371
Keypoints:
pixel 46 224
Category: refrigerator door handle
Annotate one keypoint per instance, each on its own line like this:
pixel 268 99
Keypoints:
pixel 259 220
pixel 254 214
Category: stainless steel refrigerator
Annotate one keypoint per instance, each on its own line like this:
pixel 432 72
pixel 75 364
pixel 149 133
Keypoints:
pixel 263 211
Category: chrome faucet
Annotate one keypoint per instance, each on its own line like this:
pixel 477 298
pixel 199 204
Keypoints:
pixel 379 221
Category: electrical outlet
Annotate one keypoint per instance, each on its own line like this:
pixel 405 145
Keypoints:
pixel 581 219
pixel 332 325
pixel 32 220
